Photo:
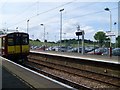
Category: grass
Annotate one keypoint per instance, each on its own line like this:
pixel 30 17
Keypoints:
pixel 37 43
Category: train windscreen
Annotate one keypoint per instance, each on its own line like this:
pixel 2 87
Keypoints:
pixel 18 39
pixel 25 39
pixel 10 40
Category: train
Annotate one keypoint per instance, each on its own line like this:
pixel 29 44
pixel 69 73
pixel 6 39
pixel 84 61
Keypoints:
pixel 15 46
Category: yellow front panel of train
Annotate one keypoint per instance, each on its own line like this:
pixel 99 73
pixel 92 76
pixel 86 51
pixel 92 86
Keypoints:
pixel 11 49
pixel 25 48
pixel 17 49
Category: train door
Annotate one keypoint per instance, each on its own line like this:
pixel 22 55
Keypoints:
pixel 25 43
pixel 17 43
pixel 10 44
pixel 2 46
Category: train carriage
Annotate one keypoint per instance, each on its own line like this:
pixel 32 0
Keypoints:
pixel 14 46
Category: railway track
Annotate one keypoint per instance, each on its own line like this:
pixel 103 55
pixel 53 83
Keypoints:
pixel 73 76
pixel 61 79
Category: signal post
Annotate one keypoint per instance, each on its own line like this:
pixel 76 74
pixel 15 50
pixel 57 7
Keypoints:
pixel 78 33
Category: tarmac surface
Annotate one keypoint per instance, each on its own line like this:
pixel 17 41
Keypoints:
pixel 9 81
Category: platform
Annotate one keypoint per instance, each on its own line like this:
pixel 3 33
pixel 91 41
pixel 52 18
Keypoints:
pixel 98 58
pixel 10 81
pixel 17 76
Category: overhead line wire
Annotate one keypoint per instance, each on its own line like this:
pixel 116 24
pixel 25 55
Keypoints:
pixel 85 15
pixel 74 9
pixel 84 6
pixel 88 14
pixel 92 13
pixel 68 18
pixel 44 12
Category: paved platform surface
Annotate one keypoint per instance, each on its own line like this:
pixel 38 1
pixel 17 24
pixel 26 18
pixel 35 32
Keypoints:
pixel 9 81
pixel 102 58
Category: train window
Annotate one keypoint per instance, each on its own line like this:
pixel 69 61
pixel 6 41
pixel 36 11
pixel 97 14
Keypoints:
pixel 10 39
pixel 10 42
pixel 25 35
pixel 3 41
pixel 25 41
pixel 10 36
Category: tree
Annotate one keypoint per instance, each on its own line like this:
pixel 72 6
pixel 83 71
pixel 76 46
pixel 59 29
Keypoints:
pixel 100 37
pixel 38 40
pixel 107 41
pixel 118 41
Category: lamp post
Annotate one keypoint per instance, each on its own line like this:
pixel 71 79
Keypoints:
pixel 61 25
pixel 44 34
pixel 47 36
pixel 27 25
pixel 110 50
pixel 115 35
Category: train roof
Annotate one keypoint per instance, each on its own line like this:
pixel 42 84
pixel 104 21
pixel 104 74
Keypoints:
pixel 17 32
pixel 5 34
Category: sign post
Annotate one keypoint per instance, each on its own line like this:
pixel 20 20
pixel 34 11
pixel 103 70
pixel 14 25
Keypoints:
pixel 110 34
pixel 78 33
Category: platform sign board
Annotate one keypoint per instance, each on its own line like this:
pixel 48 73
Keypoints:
pixel 78 33
pixel 109 33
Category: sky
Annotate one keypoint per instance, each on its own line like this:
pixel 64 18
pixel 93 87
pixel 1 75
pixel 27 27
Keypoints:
pixel 89 15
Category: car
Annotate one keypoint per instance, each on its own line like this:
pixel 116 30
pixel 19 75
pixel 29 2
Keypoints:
pixel 89 49
pixel 75 49
pixel 49 49
pixel 116 52
pixel 98 51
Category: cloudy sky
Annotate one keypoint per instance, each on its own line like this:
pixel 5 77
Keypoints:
pixel 91 17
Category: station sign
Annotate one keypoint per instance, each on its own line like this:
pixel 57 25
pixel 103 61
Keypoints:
pixel 78 33
pixel 109 33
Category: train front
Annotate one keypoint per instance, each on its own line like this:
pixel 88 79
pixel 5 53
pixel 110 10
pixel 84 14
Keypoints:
pixel 18 46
